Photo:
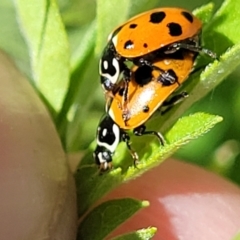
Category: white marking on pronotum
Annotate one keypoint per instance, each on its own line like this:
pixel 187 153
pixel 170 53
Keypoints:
pixel 104 132
pixel 113 146
pixel 114 40
pixel 113 79
pixel 105 64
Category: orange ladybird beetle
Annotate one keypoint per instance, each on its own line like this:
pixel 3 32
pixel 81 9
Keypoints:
pixel 146 95
pixel 161 31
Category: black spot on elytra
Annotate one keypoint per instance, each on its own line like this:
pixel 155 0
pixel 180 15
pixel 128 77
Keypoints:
pixel 188 16
pixel 157 17
pixel 128 44
pixel 143 75
pixel 133 25
pixel 174 29
pixel 145 108
pixel 145 45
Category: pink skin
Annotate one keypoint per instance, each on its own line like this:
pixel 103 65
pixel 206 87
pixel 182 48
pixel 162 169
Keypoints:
pixel 37 198
pixel 186 203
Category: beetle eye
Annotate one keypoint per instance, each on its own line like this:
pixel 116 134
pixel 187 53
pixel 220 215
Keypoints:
pixel 107 156
pixel 107 84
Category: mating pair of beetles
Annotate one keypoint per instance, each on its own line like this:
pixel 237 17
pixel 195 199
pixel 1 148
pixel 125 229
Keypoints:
pixel 145 60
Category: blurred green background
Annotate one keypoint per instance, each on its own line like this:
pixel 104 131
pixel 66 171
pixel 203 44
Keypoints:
pixel 218 150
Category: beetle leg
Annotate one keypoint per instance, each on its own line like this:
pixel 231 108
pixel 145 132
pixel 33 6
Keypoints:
pixel 169 104
pixel 191 45
pixel 141 130
pixel 126 139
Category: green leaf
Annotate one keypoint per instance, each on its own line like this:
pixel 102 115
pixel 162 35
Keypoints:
pixel 85 45
pixel 91 185
pixel 191 127
pixel 140 6
pixel 11 40
pixel 79 90
pixel 142 234
pixel 221 32
pixel 44 32
pixel 204 13
pixel 78 13
pixel 186 129
pixel 103 219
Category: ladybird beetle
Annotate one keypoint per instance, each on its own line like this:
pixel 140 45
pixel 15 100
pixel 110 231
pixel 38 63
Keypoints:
pixel 146 95
pixel 146 91
pixel 145 36
pixel 109 135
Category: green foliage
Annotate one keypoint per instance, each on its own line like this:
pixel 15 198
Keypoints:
pixel 105 22
pixel 107 216
pixel 48 47
pixel 12 35
pixel 92 186
pixel 142 234
pixel 60 57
